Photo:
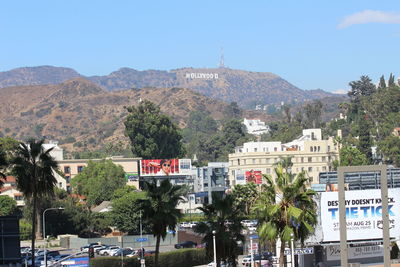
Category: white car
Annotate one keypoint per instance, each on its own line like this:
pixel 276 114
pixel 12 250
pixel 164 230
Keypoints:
pixel 247 223
pixel 184 225
pixel 246 261
pixel 108 251
pixel 252 229
pixel 192 224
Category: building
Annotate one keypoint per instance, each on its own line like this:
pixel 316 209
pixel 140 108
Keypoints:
pixel 308 153
pixel 72 167
pixel 255 127
pixel 210 179
pixel 10 189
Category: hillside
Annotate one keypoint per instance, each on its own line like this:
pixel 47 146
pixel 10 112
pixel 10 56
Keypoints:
pixel 79 111
pixel 246 88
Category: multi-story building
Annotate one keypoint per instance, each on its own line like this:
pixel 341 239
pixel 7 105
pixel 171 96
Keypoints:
pixel 256 127
pixel 72 167
pixel 209 179
pixel 308 153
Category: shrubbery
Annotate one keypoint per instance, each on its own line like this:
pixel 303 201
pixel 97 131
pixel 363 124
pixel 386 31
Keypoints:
pixel 181 258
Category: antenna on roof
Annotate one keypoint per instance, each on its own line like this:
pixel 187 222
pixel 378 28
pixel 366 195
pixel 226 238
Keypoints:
pixel 222 61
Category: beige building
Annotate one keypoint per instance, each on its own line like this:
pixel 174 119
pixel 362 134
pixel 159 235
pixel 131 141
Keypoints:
pixel 10 189
pixel 72 167
pixel 309 153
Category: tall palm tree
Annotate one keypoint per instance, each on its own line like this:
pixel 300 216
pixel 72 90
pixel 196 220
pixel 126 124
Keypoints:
pixel 224 217
pixel 285 208
pixel 159 208
pixel 33 168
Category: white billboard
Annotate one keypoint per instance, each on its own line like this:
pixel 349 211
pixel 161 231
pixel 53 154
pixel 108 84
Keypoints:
pixel 355 251
pixel 363 214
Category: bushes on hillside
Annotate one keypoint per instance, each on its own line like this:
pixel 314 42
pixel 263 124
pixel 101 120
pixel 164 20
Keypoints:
pixel 181 258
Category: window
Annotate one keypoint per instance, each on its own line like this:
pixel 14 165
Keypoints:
pixel 80 169
pixel 266 160
pixel 302 160
pixel 319 148
pixel 329 148
pixel 60 185
pixel 245 161
pixel 247 150
pixel 254 161
pixel 68 179
pixel 324 168
pixel 268 170
pixel 329 159
pixel 311 179
pixel 255 149
pixel 238 161
pixel 310 169
pixel 311 149
pixel 67 169
pixel 18 197
pixel 309 159
pixel 323 159
pixel 275 149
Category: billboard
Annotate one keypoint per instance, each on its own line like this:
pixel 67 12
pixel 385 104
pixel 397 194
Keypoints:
pixel 239 175
pixel 253 176
pixel 165 167
pixel 355 251
pixel 363 214
pixel 131 176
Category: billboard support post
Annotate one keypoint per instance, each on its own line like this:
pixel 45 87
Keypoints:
pixel 342 210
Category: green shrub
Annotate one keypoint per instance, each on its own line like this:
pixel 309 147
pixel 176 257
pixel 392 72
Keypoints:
pixel 181 258
pixel 25 229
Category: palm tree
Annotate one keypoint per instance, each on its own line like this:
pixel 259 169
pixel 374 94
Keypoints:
pixel 224 217
pixel 159 208
pixel 285 208
pixel 33 167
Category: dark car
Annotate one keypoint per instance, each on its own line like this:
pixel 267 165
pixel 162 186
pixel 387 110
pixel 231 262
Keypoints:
pixel 186 244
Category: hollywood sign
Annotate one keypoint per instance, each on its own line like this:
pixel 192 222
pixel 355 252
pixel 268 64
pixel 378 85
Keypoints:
pixel 201 75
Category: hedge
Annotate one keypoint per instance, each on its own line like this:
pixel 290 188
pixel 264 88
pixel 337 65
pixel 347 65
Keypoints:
pixel 182 258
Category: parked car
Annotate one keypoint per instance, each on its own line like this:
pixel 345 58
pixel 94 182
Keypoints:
pixel 192 224
pixel 186 244
pixel 184 225
pixel 252 229
pixel 246 261
pixel 108 251
pixel 135 253
pixel 121 251
pixel 98 248
pixel 86 248
pixel 246 223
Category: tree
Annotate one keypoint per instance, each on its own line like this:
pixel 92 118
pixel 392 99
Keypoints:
pixel 232 111
pixel 152 134
pixel 287 114
pixel 362 87
pixel 365 141
pixel 159 208
pixel 8 206
pixel 390 148
pixel 125 212
pixel 382 82
pixel 245 195
pixel 34 170
pixel 224 217
pixel 391 80
pixel 313 112
pixel 7 146
pixel 98 181
pixel 351 156
pixel 286 208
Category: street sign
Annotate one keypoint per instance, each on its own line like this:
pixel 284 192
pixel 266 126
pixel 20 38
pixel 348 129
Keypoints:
pixel 300 251
pixel 142 261
pixel 171 232
pixel 254 236
pixel 142 239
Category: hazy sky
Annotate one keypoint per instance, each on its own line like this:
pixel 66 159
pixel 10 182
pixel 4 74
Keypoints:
pixel 311 44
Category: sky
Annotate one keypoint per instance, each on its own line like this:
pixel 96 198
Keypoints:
pixel 311 44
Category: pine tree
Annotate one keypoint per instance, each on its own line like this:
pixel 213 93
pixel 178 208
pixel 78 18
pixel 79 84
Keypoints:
pixel 365 141
pixel 382 82
pixel 391 80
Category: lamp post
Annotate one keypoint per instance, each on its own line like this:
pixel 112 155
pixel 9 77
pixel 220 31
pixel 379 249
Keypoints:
pixel 215 248
pixel 44 233
pixel 142 260
pixel 292 247
pixel 251 252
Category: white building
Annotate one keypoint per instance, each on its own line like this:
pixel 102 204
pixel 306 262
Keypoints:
pixel 309 153
pixel 256 126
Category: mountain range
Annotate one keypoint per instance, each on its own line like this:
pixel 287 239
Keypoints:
pixel 246 88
